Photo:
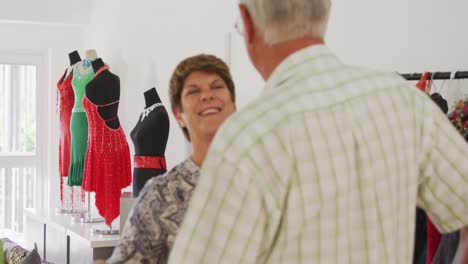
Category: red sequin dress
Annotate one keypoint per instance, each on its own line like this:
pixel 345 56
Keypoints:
pixel 66 100
pixel 107 166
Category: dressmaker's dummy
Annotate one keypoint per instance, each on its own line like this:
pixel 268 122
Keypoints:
pixel 107 168
pixel 82 74
pixel 74 57
pixel 149 138
pixel 66 99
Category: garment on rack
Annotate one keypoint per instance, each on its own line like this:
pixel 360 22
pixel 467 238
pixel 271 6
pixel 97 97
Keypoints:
pixel 66 99
pixel 420 244
pixel 447 248
pixel 433 240
pixel 107 167
pixel 79 123
pixel 423 82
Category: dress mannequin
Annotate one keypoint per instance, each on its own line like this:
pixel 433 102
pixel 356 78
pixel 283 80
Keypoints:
pixel 104 90
pixel 90 54
pixel 107 167
pixel 82 74
pixel 65 103
pixel 149 138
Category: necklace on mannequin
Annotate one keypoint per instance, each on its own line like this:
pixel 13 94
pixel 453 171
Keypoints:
pixel 148 110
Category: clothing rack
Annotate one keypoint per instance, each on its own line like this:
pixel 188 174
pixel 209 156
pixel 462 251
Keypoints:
pixel 436 75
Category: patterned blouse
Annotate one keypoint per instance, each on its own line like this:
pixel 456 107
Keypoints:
pixel 150 231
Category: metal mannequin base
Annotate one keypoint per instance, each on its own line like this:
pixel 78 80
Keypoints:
pixel 108 231
pixel 69 211
pixel 87 219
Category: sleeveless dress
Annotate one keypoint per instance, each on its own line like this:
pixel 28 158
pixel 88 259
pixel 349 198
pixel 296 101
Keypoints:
pixel 149 137
pixel 79 123
pixel 107 167
pixel 66 99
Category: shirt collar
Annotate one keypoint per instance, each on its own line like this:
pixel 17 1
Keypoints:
pixel 191 166
pixel 312 57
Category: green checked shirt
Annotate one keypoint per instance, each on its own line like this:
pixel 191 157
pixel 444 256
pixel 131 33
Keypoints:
pixel 326 166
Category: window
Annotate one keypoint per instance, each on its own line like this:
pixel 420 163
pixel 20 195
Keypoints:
pixel 22 148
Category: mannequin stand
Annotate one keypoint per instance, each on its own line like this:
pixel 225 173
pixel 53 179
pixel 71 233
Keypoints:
pixel 87 218
pixel 108 231
pixel 71 210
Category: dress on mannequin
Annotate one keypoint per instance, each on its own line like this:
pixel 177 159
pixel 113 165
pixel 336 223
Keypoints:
pixel 66 99
pixel 107 167
pixel 149 138
pixel 82 74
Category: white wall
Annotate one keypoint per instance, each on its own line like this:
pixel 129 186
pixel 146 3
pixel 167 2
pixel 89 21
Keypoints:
pixel 401 35
pixel 404 36
pixel 46 11
pixel 56 41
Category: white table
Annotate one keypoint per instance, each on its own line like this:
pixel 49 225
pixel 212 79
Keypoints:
pixel 62 240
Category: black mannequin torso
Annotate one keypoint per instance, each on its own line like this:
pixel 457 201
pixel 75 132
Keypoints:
pixel 150 134
pixel 104 90
pixel 149 138
pixel 74 57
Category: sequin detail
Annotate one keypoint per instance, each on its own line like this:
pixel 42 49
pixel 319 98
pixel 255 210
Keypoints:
pixel 148 110
pixel 149 162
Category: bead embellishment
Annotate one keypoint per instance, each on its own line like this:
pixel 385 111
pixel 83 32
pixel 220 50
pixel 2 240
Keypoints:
pixel 149 162
pixel 148 110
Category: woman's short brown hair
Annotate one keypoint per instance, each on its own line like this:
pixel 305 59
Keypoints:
pixel 202 62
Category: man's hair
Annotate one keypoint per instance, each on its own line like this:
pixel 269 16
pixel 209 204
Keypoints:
pixel 282 20
pixel 203 63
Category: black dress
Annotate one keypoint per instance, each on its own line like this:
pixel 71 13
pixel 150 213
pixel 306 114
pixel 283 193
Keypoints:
pixel 149 138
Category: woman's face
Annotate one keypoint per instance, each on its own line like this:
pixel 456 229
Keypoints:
pixel 205 102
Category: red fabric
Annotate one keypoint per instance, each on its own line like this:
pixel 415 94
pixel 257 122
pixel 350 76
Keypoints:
pixel 107 166
pixel 149 162
pixel 433 240
pixel 66 100
pixel 422 83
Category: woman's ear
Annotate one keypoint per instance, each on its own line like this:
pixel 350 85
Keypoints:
pixel 178 116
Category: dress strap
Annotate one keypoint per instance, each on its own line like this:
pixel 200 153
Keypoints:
pixel 110 119
pixel 103 68
pixel 111 103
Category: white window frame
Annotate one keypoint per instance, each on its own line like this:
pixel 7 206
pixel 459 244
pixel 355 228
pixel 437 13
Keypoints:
pixel 40 159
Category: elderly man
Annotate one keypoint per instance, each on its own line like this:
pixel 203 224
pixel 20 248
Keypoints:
pixel 328 164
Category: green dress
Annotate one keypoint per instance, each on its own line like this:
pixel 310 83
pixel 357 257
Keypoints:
pixel 79 123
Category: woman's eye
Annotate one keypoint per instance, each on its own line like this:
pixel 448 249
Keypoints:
pixel 192 91
pixel 218 87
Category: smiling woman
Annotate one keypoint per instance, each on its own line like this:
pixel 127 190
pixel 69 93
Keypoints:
pixel 205 103
pixel 201 64
pixel 202 97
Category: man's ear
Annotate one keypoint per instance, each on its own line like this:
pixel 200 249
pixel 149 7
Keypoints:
pixel 247 23
pixel 178 116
